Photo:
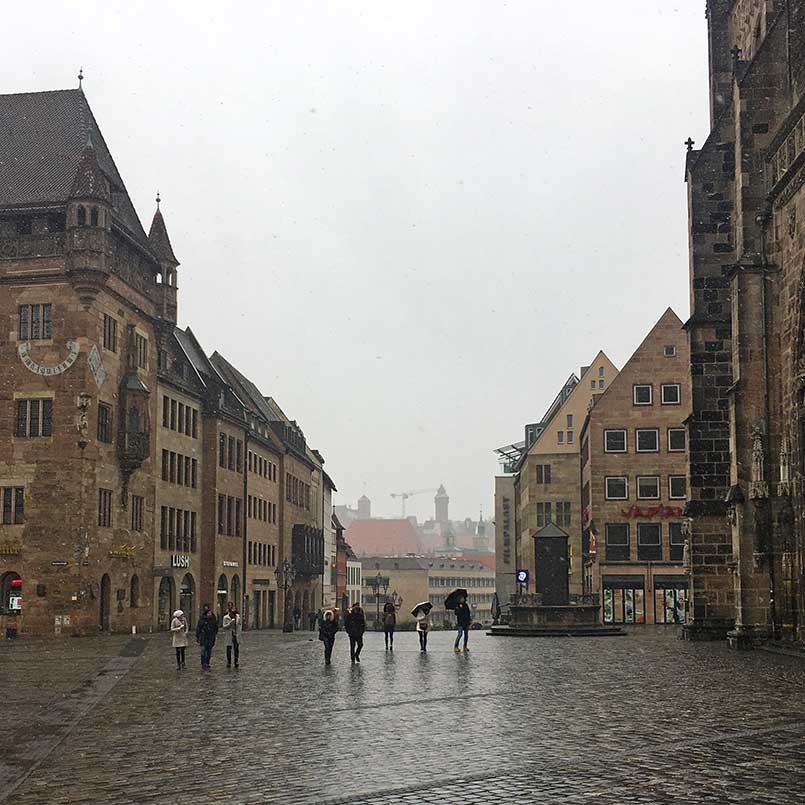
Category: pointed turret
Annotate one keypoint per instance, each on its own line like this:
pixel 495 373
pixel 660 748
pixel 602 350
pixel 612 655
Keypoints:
pixel 89 183
pixel 161 246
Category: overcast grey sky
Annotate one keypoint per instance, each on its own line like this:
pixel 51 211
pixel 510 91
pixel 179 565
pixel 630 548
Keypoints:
pixel 409 221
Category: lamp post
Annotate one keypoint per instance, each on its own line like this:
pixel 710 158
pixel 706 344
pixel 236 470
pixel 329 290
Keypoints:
pixel 285 574
pixel 376 584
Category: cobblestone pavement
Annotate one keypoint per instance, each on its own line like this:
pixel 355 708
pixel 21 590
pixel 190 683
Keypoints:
pixel 638 719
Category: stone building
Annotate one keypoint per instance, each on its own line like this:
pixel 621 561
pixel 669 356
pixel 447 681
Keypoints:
pixel 633 483
pixel 85 297
pixel 747 329
pixel 136 473
pixel 547 480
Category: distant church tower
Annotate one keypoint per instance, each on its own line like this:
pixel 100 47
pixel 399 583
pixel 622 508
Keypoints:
pixel 364 508
pixel 442 501
pixel 480 543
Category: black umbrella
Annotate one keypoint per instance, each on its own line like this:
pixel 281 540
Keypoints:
pixel 452 600
pixel 424 607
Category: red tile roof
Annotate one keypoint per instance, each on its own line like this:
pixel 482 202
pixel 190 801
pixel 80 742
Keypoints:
pixel 485 559
pixel 378 537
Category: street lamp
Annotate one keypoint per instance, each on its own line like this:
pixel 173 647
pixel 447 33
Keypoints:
pixel 285 574
pixel 376 584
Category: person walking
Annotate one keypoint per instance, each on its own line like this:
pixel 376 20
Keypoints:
pixel 327 629
pixel 206 632
pixel 463 620
pixel 312 620
pixel 297 614
pixel 422 628
pixel 233 628
pixel 355 626
pixel 179 637
pixel 389 622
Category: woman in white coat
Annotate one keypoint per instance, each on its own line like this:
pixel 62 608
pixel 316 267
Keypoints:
pixel 179 637
pixel 233 629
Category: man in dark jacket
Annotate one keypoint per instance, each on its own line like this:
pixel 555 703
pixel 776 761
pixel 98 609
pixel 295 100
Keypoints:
pixel 355 626
pixel 463 621
pixel 206 631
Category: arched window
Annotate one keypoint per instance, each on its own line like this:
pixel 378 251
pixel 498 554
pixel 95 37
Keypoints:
pixel 134 592
pixel 82 216
pixel 93 217
pixel 11 590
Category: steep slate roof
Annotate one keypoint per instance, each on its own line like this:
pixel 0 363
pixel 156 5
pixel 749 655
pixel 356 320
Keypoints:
pixel 245 386
pixel 42 140
pixel 384 537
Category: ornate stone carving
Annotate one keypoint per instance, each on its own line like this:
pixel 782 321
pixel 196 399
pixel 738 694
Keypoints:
pixel 784 486
pixel 758 488
pixel 82 419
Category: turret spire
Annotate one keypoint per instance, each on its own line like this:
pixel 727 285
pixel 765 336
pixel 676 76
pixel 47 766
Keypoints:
pixel 80 78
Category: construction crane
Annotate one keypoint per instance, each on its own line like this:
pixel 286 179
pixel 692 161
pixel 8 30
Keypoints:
pixel 405 495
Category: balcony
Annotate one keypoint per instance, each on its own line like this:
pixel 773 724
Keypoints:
pixel 45 245
pixel 133 448
pixel 307 551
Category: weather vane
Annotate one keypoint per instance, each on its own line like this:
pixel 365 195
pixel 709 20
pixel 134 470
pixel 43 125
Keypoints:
pixel 80 77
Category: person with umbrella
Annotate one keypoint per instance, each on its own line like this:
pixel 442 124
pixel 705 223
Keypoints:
pixel 422 614
pixel 457 601
pixel 355 626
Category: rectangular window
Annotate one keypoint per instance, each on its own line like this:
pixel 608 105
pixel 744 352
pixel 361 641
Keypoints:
pixel 250 554
pixel 171 528
pixel 230 453
pixel 194 429
pixel 647 441
pixel 671 393
pixel 166 411
pixel 188 430
pixel 137 505
pixel 570 420
pixel 669 350
pixel 188 479
pixel 163 528
pixel 173 415
pixel 617 541
pixel 180 417
pixel 104 423
pixel 13 505
pixel 105 508
pixel 165 464
pixel 676 440
pixel 194 474
pixel 614 441
pixel 238 506
pixel 239 456
pixel 677 541
pixel 141 350
pixel 221 513
pixel 539 474
pixel 172 467
pixel 600 371
pixel 193 546
pixel 249 508
pixel 649 542
pixel 563 514
pixel 570 437
pixel 617 487
pixel 641 394
pixel 677 487
pixel 560 437
pixel 592 384
pixel 34 323
pixel 34 418
pixel 648 487
pixel 229 514
pixel 600 384
pixel 222 450
pixel 109 333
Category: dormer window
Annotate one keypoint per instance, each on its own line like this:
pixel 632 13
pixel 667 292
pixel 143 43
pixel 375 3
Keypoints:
pixel 93 217
pixel 82 216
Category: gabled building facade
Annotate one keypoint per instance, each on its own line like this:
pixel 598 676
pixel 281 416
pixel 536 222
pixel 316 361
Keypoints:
pixel 634 485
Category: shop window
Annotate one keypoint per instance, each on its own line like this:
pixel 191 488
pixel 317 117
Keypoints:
pixel 624 601
pixel 649 542
pixel 11 591
pixel 617 541
pixel 670 601
pixel 615 441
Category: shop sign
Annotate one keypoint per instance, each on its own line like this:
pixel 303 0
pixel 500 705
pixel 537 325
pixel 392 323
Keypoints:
pixel 180 560
pixel 522 577
pixel 59 563
pixel 231 564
